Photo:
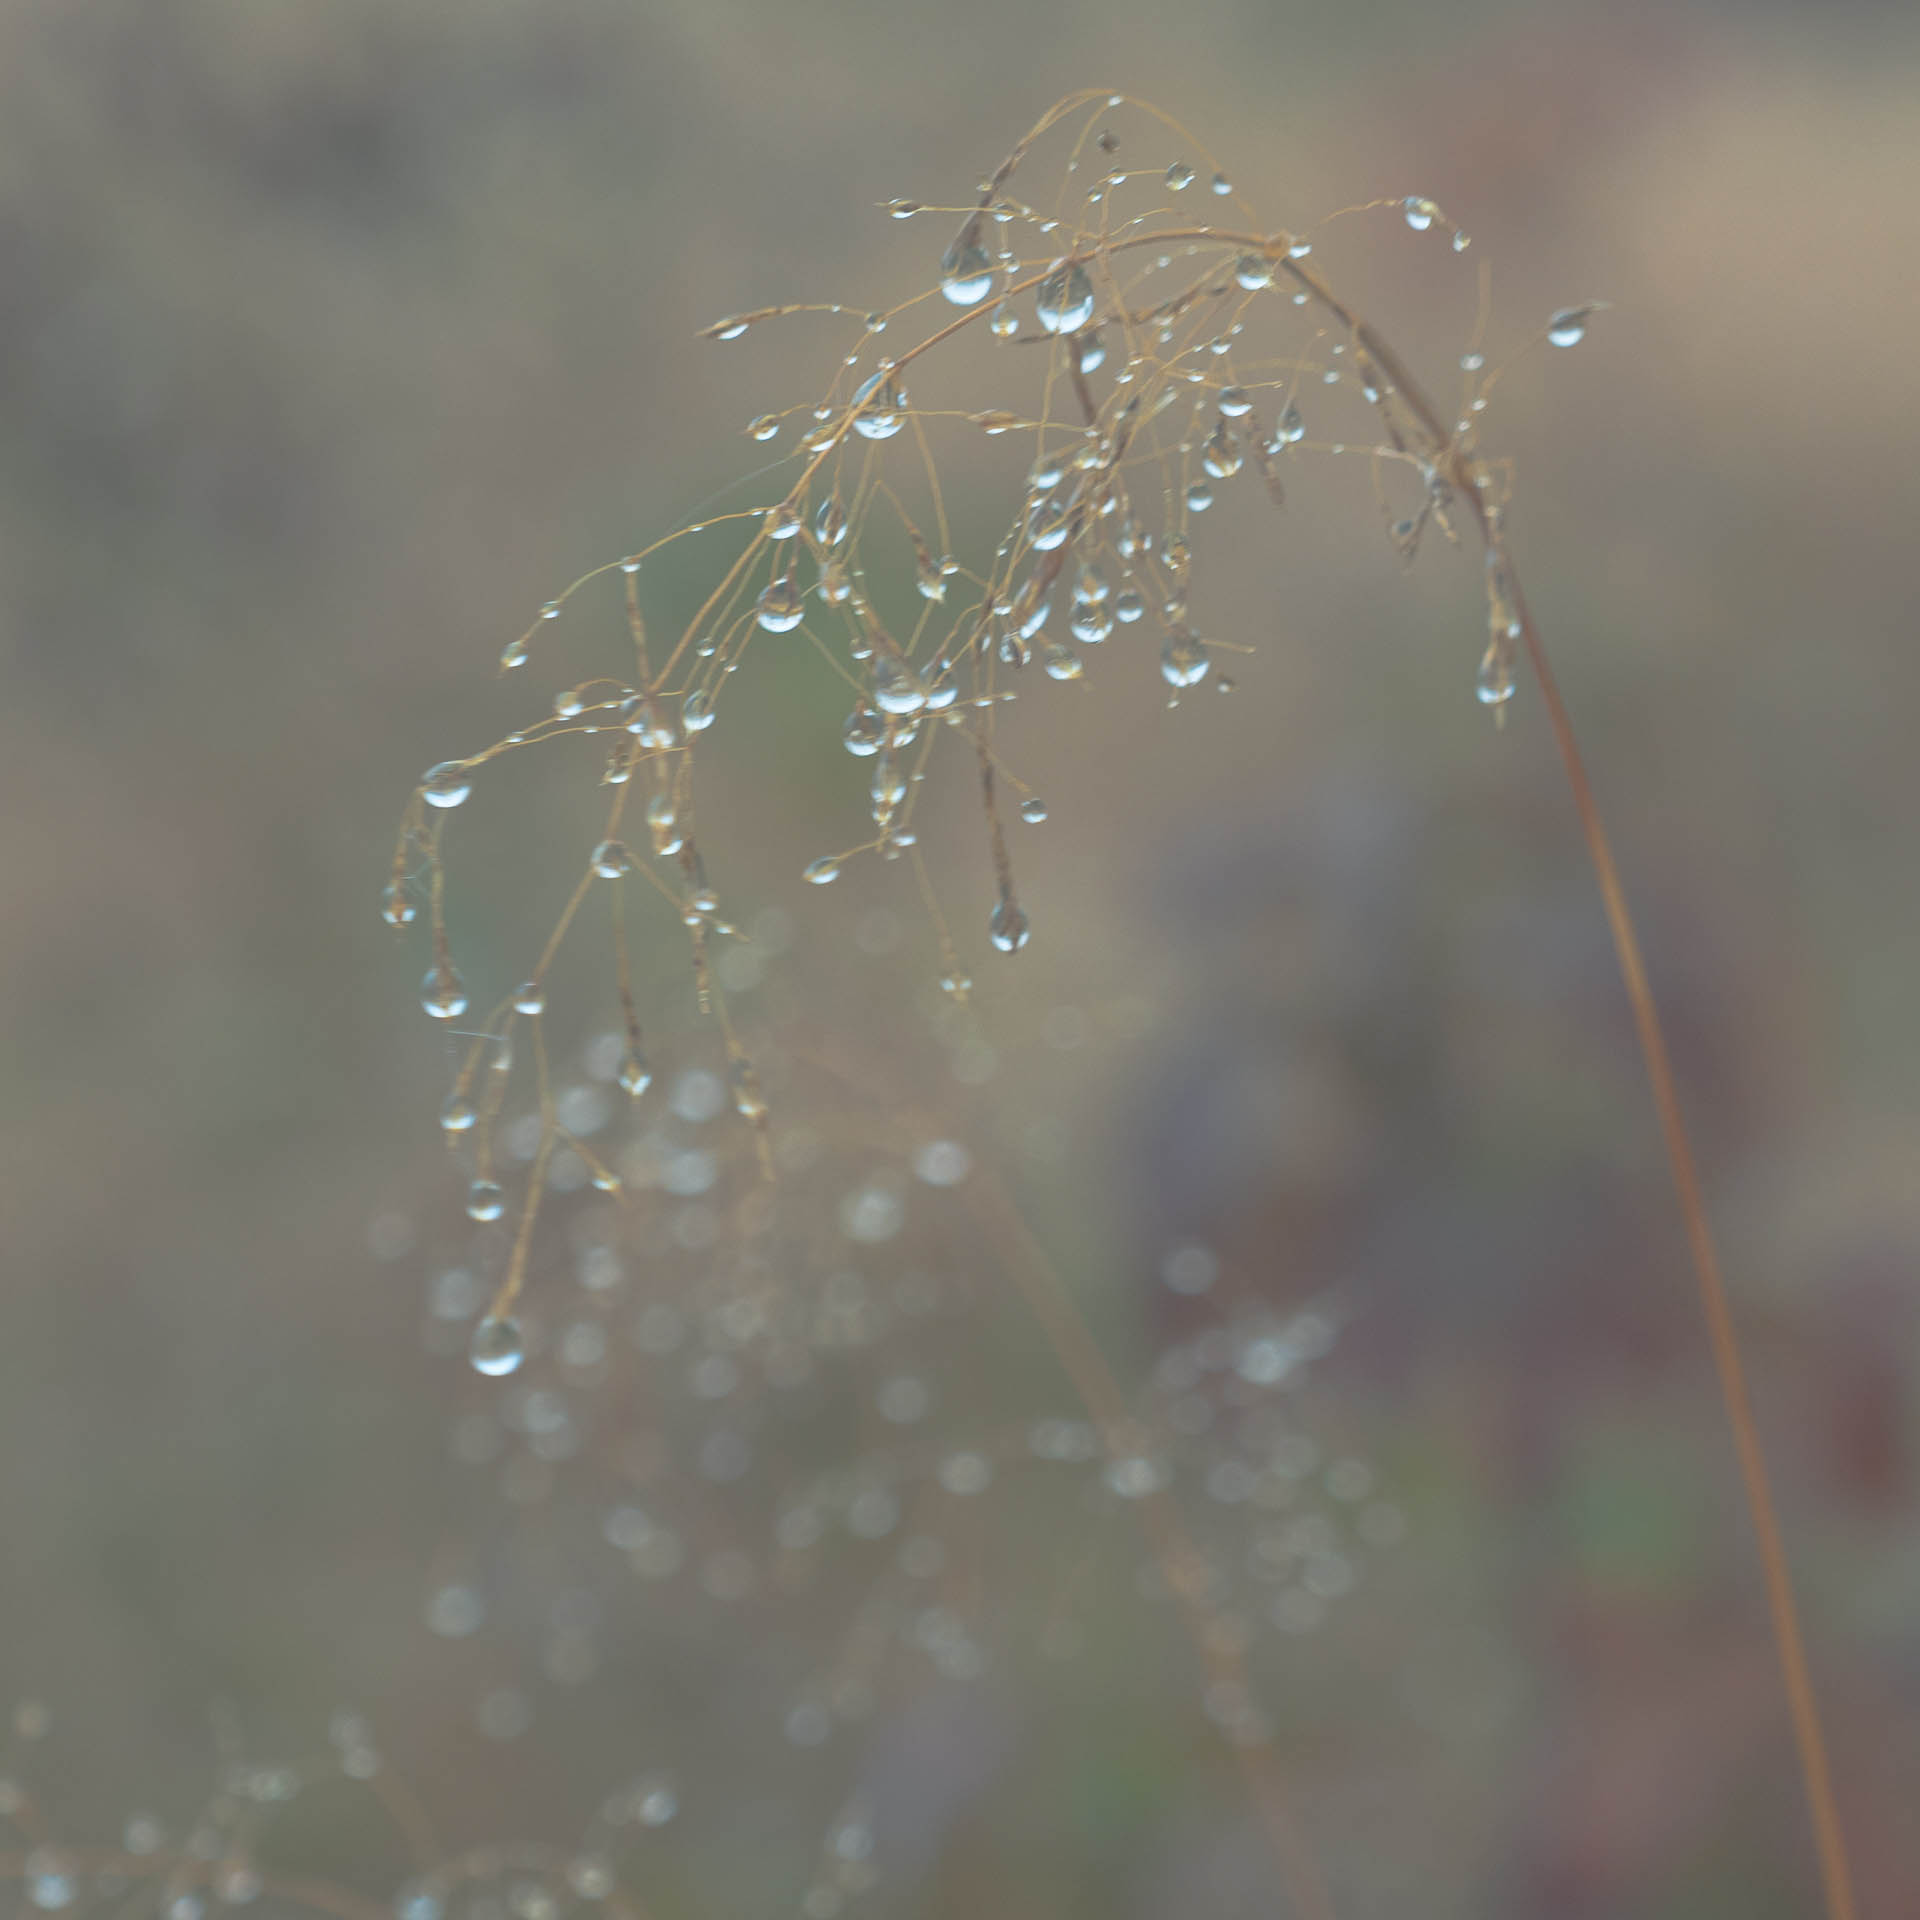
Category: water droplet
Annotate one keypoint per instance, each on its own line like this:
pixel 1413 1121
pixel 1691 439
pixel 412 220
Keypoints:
pixel 1179 176
pixel 696 711
pixel 497 1347
pixel 1061 663
pixel 897 689
pixel 1493 685
pixel 1254 271
pixel 513 654
pixel 865 732
pixel 457 1113
pixel 1199 497
pixel 1128 606
pixel 903 209
pixel 486 1200
pixel 1091 624
pixel 1460 242
pixel 878 404
pixel 1183 661
pixel 1420 212
pixel 765 427
pixel 730 328
pixel 1093 353
pixel 1292 428
pixel 875 323
pixel 1065 301
pixel 783 521
pixel 1221 455
pixel 1221 184
pixel 447 784
pixel 930 577
pixel 1472 362
pixel 611 860
pixel 966 273
pixel 1047 525
pixel 822 872
pixel 1007 925
pixel 1033 810
pixel 780 609
pixel 1568 327
pixel 530 998
pixel 397 906
pixel 1003 323
pixel 1234 401
pixel 635 1076
pixel 551 611
pixel 50 1880
pixel 442 992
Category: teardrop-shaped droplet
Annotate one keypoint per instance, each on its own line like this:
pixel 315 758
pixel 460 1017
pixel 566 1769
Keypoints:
pixel 903 209
pixel 497 1347
pixel 457 1114
pixel 1199 497
pixel 1091 624
pixel 1003 323
pixel 877 404
pixel 865 732
pixel 830 521
pixel 635 1076
pixel 822 872
pixel 1033 810
pixel 833 586
pixel 1060 662
pixel 442 992
pixel 1221 455
pixel 1420 212
pixel 1568 327
pixel 783 521
pixel 1047 525
pixel 530 998
pixel 1179 176
pixel 447 784
pixel 896 687
pixel 1235 401
pixel 779 609
pixel 1221 185
pixel 1183 661
pixel 1254 271
pixel 931 578
pixel 611 860
pixel 1093 353
pixel 1065 301
pixel 1493 685
pixel 397 905
pixel 486 1200
pixel 966 273
pixel 696 711
pixel 1292 427
pixel 1007 926
pixel 765 426
pixel 1128 606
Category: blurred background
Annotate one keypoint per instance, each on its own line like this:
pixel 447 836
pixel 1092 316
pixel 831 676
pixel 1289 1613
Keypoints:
pixel 335 339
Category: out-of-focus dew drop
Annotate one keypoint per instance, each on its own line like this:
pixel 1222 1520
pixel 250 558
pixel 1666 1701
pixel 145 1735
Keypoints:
pixel 442 992
pixel 497 1346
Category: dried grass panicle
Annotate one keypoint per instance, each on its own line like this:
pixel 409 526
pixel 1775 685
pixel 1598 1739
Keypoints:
pixel 1151 342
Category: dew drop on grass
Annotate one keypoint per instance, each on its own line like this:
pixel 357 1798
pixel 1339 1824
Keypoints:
pixel 1234 401
pixel 443 993
pixel 635 1076
pixel 1033 810
pixel 779 609
pixel 457 1114
pixel 1128 607
pixel 865 732
pixel 1493 685
pixel 1420 212
pixel 1008 927
pixel 529 998
pixel 497 1346
pixel 1003 323
pixel 486 1200
pixel 397 906
pixel 878 417
pixel 1183 661
pixel 696 711
pixel 1568 327
pixel 1253 272
pixel 765 427
pixel 447 784
pixel 1221 184
pixel 1065 301
pixel 822 872
pixel 966 273
pixel 611 860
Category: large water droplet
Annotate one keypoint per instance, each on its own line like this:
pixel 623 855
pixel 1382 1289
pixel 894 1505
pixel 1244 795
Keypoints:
pixel 1183 661
pixel 486 1200
pixel 865 732
pixel 529 998
pixel 1568 327
pixel 1128 606
pixel 611 860
pixel 878 402
pixel 1179 176
pixel 966 273
pixel 497 1346
pixel 1007 926
pixel 780 609
pixel 442 992
pixel 1065 301
pixel 447 784
pixel 696 711
pixel 1254 271
pixel 897 688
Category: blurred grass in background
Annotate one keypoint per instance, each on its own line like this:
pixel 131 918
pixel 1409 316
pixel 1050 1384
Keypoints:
pixel 335 339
